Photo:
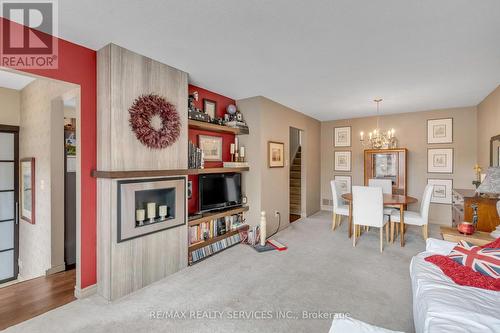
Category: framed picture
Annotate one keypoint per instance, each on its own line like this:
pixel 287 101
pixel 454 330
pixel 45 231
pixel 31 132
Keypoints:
pixel 342 136
pixel 209 107
pixel 27 166
pixel 276 154
pixel 440 160
pixel 342 161
pixel 211 146
pixel 442 190
pixel 344 183
pixel 440 130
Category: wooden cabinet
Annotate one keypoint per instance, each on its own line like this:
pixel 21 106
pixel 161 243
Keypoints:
pixel 387 164
pixel 462 210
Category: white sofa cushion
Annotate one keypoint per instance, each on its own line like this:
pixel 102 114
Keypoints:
pixel 441 305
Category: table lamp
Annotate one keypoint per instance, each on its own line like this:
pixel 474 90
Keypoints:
pixel 491 186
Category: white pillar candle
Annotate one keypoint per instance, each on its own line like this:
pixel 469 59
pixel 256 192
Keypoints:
pixel 263 227
pixel 151 210
pixel 236 143
pixel 163 211
pixel 232 148
pixel 140 215
pixel 242 152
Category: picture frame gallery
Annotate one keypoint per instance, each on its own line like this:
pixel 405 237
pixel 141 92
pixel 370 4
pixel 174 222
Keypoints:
pixel 440 160
pixel 440 130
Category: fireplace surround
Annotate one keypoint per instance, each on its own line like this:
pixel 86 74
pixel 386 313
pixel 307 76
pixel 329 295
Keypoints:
pixel 148 195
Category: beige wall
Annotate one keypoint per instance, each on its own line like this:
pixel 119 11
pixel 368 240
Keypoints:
pixel 10 100
pixel 488 124
pixel 268 188
pixel 38 138
pixel 411 131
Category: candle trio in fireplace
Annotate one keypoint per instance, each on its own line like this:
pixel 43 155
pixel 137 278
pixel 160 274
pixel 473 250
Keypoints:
pixel 140 214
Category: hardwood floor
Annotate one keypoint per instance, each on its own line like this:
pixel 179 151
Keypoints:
pixel 28 299
pixel 294 217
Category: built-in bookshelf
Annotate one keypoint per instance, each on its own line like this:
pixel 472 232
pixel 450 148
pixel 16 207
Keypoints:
pixel 205 237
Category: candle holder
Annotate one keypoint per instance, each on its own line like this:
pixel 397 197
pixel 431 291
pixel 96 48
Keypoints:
pixel 163 212
pixel 140 216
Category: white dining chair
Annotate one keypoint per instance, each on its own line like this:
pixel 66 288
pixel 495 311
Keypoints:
pixel 339 208
pixel 368 210
pixel 420 218
pixel 386 186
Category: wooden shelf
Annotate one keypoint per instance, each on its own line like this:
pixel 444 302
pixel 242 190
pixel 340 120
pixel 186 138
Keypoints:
pixel 200 125
pixel 162 173
pixel 216 239
pixel 212 216
pixel 215 170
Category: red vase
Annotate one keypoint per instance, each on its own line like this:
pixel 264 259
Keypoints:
pixel 466 228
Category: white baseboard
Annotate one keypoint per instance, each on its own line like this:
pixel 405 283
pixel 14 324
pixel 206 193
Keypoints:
pixel 55 269
pixel 327 208
pixel 85 292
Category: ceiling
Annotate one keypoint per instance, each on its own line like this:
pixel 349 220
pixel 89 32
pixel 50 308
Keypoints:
pixel 14 81
pixel 328 59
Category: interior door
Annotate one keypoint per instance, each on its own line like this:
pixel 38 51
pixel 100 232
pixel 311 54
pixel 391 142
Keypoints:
pixel 9 207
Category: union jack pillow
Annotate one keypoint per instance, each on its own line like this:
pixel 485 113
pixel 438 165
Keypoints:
pixel 482 260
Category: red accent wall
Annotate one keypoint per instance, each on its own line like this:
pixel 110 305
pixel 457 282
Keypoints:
pixel 78 65
pixel 227 139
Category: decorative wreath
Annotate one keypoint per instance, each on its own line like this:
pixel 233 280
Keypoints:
pixel 165 132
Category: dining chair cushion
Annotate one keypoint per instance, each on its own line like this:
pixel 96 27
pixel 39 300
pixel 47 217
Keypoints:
pixel 342 210
pixel 410 217
pixel 388 211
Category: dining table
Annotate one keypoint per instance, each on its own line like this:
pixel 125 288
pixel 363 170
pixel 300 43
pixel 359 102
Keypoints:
pixel 390 200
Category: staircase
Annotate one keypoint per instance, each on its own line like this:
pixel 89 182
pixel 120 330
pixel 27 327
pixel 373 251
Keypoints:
pixel 295 181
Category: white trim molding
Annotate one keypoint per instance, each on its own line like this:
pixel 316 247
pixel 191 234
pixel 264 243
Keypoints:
pixel 85 292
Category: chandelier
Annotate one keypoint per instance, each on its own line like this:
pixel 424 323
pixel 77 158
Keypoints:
pixel 378 139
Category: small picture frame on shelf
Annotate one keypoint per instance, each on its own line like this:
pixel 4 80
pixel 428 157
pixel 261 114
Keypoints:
pixel 211 146
pixel 344 183
pixel 209 107
pixel 342 161
pixel 342 136
pixel 440 130
pixel 442 192
pixel 276 154
pixel 440 160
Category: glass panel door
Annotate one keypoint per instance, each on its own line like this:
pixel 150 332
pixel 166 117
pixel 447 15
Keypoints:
pixel 8 206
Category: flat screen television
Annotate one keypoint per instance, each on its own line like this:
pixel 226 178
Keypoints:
pixel 219 191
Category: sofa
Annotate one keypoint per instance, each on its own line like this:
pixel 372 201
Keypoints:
pixel 441 305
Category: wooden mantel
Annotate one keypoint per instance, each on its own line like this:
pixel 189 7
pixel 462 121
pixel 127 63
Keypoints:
pixel 161 173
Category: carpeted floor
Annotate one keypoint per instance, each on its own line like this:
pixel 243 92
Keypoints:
pixel 320 273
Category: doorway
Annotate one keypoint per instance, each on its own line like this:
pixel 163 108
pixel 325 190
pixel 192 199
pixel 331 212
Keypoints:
pixel 296 172
pixel 39 193
pixel 9 205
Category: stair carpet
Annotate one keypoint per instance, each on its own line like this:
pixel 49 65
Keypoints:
pixel 295 184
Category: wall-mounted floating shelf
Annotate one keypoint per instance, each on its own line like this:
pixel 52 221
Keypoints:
pixel 161 173
pixel 200 125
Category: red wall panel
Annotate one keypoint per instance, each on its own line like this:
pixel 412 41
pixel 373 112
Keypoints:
pixel 227 139
pixel 77 64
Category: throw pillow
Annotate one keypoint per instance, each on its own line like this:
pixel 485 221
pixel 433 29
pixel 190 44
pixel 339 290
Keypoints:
pixel 482 260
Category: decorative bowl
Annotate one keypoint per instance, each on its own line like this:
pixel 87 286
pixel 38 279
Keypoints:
pixel 466 228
